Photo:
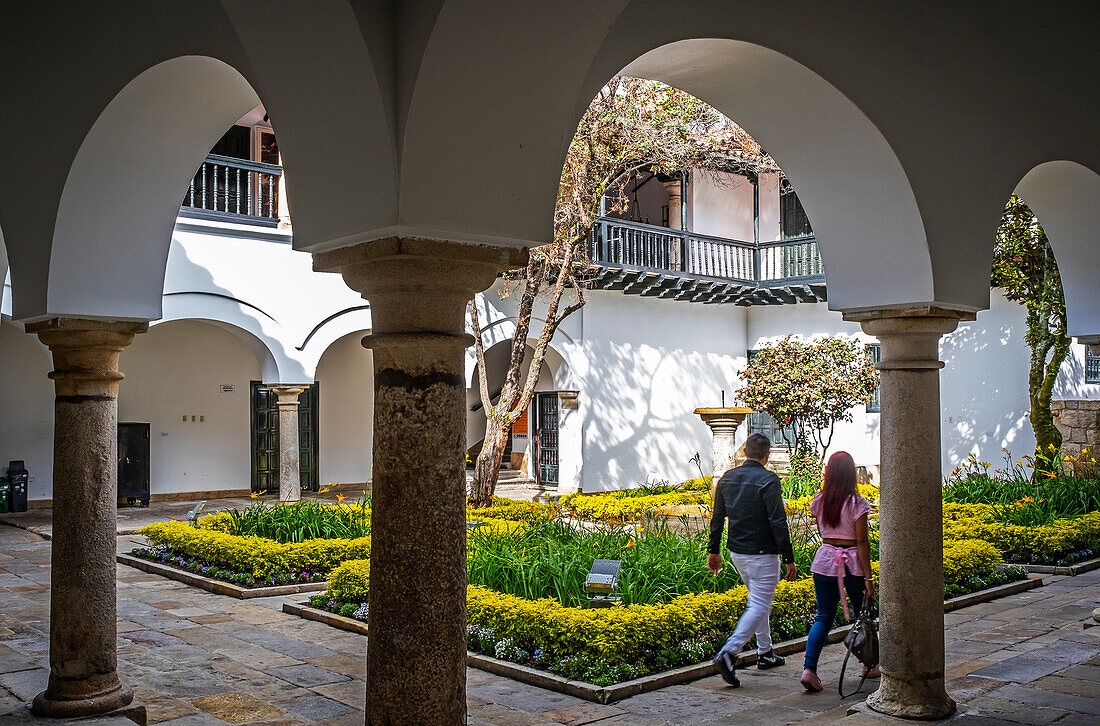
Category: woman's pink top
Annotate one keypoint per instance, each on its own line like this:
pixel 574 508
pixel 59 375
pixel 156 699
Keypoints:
pixel 831 560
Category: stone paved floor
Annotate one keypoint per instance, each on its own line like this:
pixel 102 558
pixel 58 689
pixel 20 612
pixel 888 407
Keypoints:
pixel 197 658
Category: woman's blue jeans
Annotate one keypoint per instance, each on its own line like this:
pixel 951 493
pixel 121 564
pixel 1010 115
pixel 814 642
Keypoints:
pixel 828 599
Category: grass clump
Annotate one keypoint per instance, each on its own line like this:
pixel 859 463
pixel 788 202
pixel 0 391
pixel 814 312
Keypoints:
pixel 301 521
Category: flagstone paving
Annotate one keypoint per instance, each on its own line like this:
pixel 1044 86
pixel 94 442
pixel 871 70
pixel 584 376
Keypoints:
pixel 195 658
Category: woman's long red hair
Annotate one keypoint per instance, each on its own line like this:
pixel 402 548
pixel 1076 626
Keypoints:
pixel 838 487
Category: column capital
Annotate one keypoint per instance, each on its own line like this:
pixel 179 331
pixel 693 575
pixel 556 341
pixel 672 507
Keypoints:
pixel 85 353
pixel 418 285
pixel 287 394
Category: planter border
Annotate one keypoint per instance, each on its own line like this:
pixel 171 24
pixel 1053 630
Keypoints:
pixel 654 681
pixel 218 587
pixel 303 610
pixel 1071 570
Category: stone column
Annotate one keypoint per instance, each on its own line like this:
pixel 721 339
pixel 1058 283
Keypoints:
pixel 911 512
pixel 418 290
pixel 675 204
pixel 83 678
pixel 290 485
pixel 723 423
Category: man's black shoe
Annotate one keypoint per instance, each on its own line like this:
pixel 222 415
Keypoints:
pixel 764 661
pixel 726 668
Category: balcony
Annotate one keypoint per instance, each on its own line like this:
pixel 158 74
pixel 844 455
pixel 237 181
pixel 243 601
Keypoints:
pixel 643 259
pixel 226 189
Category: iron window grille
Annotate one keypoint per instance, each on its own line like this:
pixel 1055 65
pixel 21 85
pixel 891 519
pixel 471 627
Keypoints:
pixel 1092 367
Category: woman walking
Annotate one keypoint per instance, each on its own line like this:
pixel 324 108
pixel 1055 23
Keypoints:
pixel 843 562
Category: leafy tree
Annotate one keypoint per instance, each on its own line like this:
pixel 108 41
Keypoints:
pixel 632 127
pixel 1025 269
pixel 808 386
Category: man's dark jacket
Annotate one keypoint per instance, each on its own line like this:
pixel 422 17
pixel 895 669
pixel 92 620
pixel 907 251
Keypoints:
pixel 750 497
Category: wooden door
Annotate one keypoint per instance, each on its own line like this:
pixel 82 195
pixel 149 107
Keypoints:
pixel 133 463
pixel 308 438
pixel 264 434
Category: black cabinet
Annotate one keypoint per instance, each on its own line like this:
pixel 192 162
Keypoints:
pixel 133 463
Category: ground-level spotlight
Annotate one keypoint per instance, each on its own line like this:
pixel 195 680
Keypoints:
pixel 601 583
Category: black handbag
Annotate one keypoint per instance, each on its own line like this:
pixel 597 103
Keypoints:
pixel 862 642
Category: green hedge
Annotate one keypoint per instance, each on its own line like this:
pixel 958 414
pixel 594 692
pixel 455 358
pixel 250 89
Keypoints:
pixel 262 557
pixel 1062 539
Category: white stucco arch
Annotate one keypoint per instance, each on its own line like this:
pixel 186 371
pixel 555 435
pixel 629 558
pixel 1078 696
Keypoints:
pixel 332 329
pixel 740 79
pixel 259 331
pixel 503 330
pixel 123 190
pixel 1065 197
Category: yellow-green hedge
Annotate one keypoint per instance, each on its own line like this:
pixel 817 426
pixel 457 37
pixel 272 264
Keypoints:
pixel 965 557
pixel 350 582
pixel 1047 542
pixel 512 510
pixel 610 508
pixel 257 555
pixel 630 632
pixel 623 633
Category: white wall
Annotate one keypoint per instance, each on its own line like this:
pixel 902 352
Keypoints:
pixel 769 207
pixel 983 386
pixel 26 407
pixel 1071 379
pixel 346 381
pixel 650 363
pixel 720 204
pixel 176 370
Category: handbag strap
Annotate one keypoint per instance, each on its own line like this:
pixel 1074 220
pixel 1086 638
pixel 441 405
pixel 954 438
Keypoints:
pixel 840 682
pixel 866 614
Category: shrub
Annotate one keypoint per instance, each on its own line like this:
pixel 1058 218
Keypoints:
pixel 261 556
pixel 1061 540
pixel 613 507
pixel 349 582
pixel 968 557
pixel 513 511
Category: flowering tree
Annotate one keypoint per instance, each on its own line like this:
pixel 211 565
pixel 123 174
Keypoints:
pixel 808 386
pixel 1025 269
pixel 632 127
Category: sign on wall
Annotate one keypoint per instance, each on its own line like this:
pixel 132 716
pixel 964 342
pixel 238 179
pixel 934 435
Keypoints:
pixel 519 428
pixel 228 388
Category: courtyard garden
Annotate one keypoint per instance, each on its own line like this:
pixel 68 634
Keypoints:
pixel 527 562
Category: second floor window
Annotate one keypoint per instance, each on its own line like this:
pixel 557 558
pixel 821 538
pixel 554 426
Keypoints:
pixel 1092 367
pixel 874 352
pixel 793 221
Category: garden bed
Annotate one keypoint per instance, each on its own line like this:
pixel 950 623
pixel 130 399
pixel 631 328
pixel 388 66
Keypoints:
pixel 652 682
pixel 218 586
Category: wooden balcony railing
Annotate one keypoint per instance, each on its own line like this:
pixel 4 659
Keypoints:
pixel 615 242
pixel 234 190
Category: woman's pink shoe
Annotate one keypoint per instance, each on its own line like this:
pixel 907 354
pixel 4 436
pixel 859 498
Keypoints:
pixel 811 682
pixel 873 673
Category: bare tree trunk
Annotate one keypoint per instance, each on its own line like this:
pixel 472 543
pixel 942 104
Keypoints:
pixel 514 398
pixel 489 461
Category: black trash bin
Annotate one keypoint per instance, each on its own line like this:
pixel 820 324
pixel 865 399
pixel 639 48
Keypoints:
pixel 5 495
pixel 18 476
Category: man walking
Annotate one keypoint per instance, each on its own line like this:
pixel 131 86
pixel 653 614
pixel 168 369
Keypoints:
pixel 750 497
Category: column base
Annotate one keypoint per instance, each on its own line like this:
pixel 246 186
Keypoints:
pixel 921 700
pixel 86 697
